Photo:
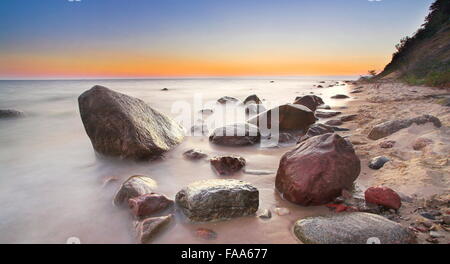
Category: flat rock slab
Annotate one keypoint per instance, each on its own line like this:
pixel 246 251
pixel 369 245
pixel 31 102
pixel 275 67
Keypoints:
pixel 388 128
pixel 218 199
pixel 352 228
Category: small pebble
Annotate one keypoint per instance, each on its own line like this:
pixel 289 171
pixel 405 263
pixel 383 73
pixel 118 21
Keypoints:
pixel 265 214
pixel 435 234
pixel 207 234
pixel 281 211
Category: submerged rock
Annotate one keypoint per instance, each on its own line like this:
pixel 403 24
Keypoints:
pixel 9 113
pixel 194 154
pixel 206 234
pixel 123 126
pixel 327 114
pixel 218 199
pixel 227 99
pixel 340 96
pixel 317 170
pixel 148 204
pixel 352 228
pixel 388 128
pixel 207 111
pixel 290 117
pixel 310 101
pixel 133 187
pixel 252 99
pixel 316 130
pixel 236 135
pixel 383 196
pixel 148 228
pixel 227 165
pixel 378 162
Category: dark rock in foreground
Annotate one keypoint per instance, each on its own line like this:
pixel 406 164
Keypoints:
pixel 236 135
pixel 227 165
pixel 383 196
pixel 316 130
pixel 133 187
pixel 317 170
pixel 213 200
pixel 148 228
pixel 290 117
pixel 378 162
pixel 148 204
pixel 310 101
pixel 352 228
pixel 123 126
pixel 9 113
pixel 252 99
pixel 388 128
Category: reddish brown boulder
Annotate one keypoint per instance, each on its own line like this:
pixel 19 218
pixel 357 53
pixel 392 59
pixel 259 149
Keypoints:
pixel 383 196
pixel 148 204
pixel 317 170
pixel 310 101
pixel 227 165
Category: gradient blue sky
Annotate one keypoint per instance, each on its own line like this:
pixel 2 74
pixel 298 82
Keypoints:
pixel 59 38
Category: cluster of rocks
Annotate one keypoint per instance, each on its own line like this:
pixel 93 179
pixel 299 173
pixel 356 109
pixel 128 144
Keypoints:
pixel 318 171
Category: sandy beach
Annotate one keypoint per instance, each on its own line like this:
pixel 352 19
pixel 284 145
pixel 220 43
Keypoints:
pixel 421 177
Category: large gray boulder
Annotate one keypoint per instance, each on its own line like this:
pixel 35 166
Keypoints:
pixel 236 135
pixel 124 126
pixel 352 228
pixel 388 128
pixel 133 187
pixel 218 199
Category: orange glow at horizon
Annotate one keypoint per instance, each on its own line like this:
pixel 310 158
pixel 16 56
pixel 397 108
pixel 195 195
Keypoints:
pixel 113 65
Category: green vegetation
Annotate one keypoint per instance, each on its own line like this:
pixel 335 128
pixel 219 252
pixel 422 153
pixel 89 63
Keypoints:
pixel 424 59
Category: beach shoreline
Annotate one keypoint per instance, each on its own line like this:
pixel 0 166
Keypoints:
pixel 421 177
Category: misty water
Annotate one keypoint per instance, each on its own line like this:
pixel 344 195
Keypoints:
pixel 53 186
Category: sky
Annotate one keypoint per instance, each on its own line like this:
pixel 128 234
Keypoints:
pixel 155 38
